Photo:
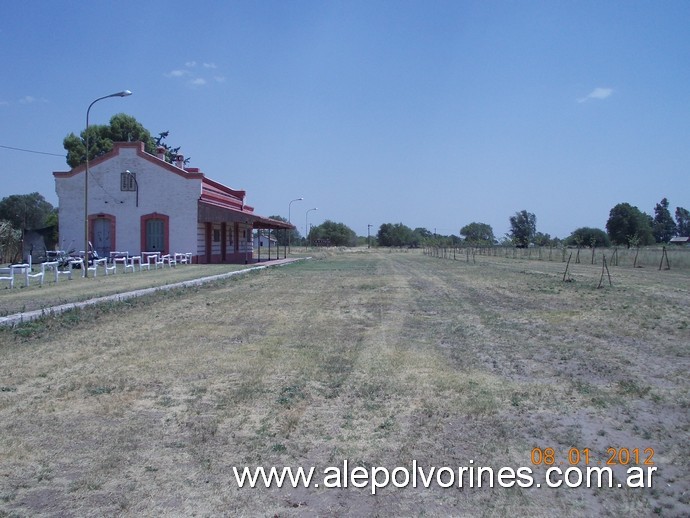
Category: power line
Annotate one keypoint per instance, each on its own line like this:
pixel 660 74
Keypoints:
pixel 30 151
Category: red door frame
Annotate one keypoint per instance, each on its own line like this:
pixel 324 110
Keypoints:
pixel 92 221
pixel 166 231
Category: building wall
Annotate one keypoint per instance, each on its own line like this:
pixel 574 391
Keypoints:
pixel 161 190
pixel 264 242
pixel 236 246
pixel 70 192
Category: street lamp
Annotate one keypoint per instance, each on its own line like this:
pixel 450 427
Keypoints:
pixel 289 220
pixel 306 226
pixel 124 93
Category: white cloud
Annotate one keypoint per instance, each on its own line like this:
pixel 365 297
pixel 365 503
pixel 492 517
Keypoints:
pixel 28 99
pixel 177 73
pixel 197 76
pixel 597 93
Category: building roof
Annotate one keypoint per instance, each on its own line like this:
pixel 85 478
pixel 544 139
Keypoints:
pixel 190 173
pixel 216 196
pixel 215 193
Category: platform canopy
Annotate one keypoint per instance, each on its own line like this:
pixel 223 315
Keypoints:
pixel 216 214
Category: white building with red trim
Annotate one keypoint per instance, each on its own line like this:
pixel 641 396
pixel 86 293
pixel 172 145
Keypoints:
pixel 138 202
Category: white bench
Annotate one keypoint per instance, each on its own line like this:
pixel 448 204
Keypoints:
pixel 153 259
pixel 119 257
pixel 77 262
pixel 29 274
pixel 13 271
pixel 169 260
pixel 143 263
pixel 7 274
pixel 183 258
pixel 133 261
pixel 55 266
pixel 21 270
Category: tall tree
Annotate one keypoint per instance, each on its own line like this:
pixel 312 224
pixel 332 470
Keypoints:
pixel 10 243
pixel 478 234
pixel 586 236
pixel 523 227
pixel 420 236
pixel 627 225
pixel 663 228
pixel 122 128
pixel 542 239
pixel 683 222
pixel 394 235
pixel 26 211
pixel 338 234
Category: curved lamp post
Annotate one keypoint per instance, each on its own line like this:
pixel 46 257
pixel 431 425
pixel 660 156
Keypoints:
pixel 124 93
pixel 290 221
pixel 306 227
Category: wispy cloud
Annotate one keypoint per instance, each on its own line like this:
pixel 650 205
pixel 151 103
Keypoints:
pixel 177 73
pixel 598 93
pixel 29 99
pixel 195 75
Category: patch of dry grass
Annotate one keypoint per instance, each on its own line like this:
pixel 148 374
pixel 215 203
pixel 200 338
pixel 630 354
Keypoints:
pixel 35 296
pixel 379 358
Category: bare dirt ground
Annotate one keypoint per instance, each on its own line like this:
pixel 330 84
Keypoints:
pixel 381 359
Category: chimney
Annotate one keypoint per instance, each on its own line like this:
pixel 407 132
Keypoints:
pixel 179 161
pixel 160 152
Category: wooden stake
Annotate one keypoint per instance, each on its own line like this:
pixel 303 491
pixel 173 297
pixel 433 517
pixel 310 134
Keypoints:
pixel 566 266
pixel 604 266
pixel 664 255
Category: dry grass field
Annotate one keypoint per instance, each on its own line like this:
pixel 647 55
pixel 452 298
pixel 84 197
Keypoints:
pixel 37 297
pixel 143 408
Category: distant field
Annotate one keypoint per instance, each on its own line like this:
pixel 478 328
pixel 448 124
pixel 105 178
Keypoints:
pixel 670 257
pixel 375 358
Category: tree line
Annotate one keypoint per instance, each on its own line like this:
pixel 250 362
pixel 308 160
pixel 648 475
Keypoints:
pixel 626 226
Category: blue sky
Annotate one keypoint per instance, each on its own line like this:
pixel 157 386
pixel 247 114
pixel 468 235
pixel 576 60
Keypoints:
pixel 430 113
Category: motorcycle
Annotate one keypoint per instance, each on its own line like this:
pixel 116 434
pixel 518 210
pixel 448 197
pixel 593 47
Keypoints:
pixel 65 258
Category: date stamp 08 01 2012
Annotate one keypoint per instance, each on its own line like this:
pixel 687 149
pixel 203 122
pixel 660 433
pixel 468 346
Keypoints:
pixel 576 456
